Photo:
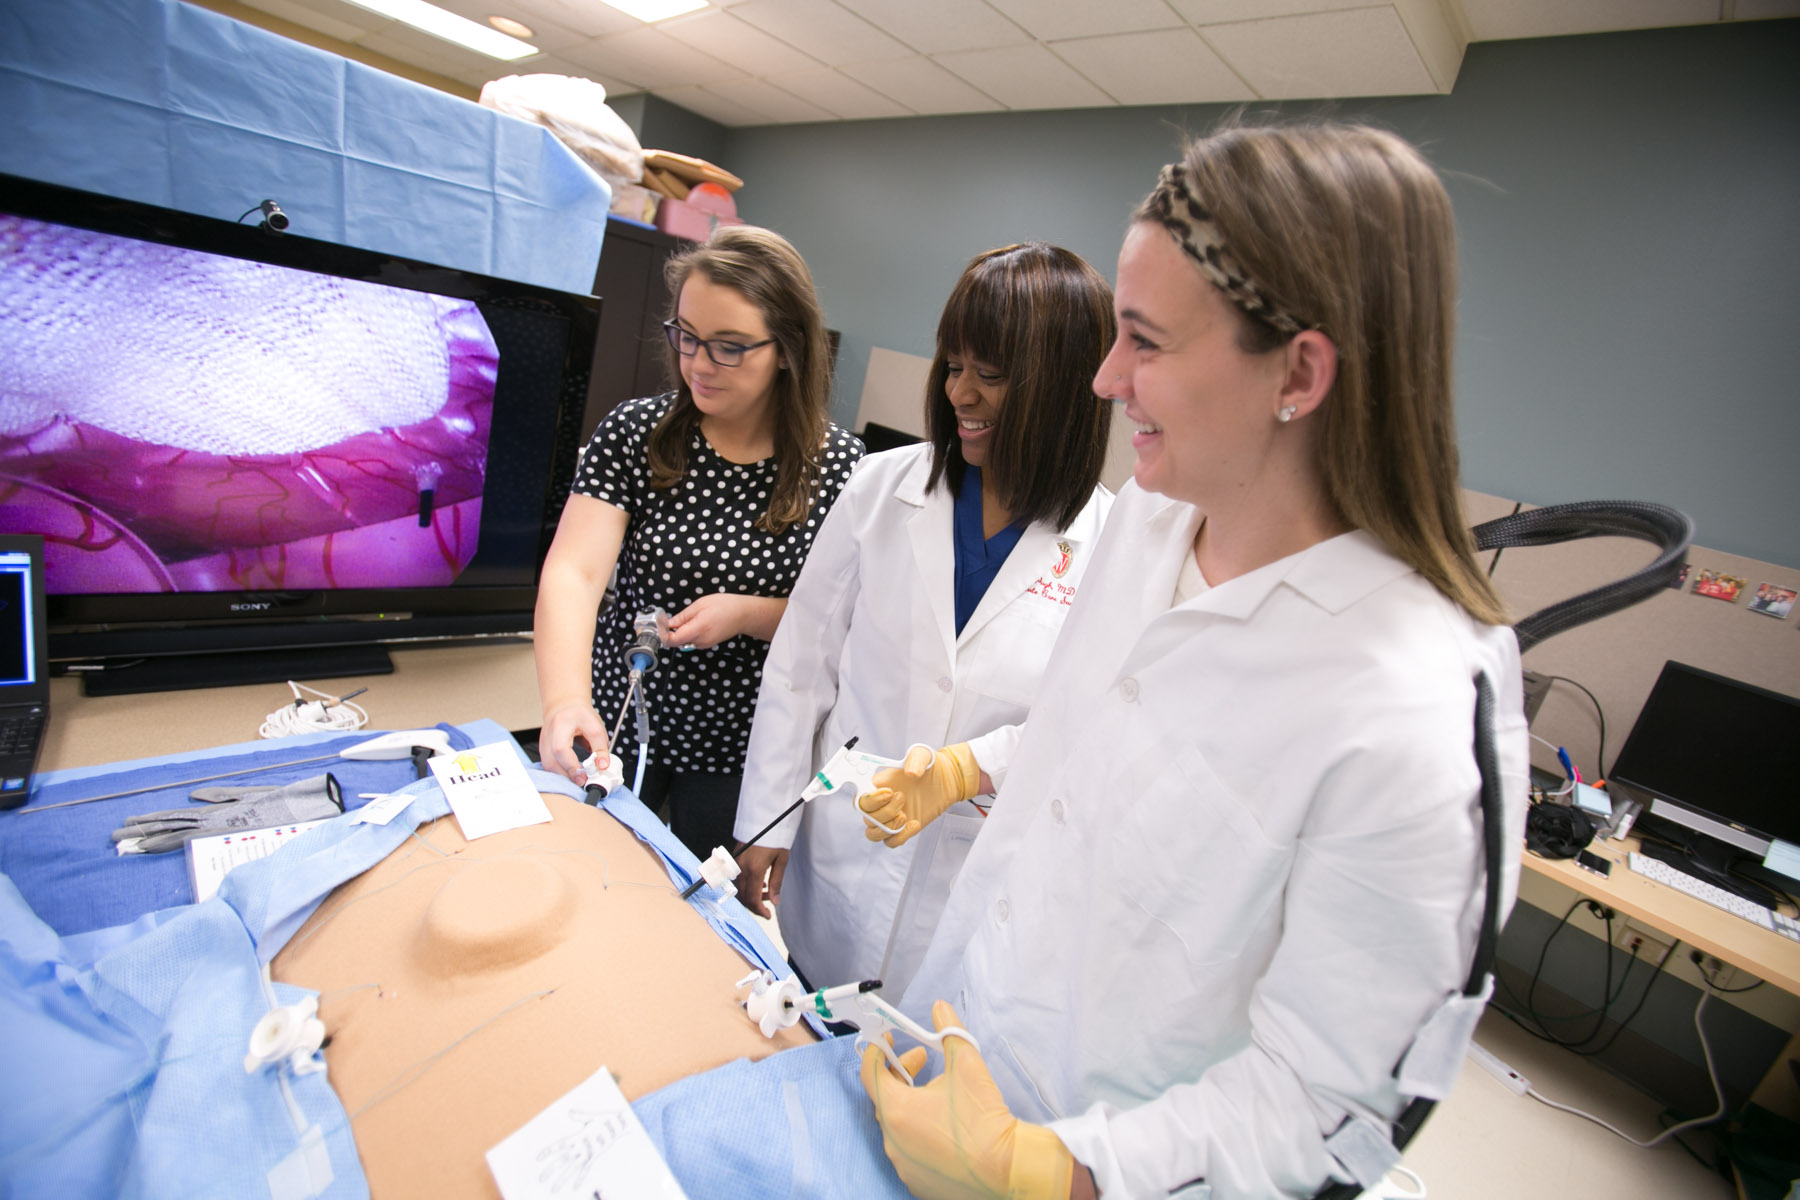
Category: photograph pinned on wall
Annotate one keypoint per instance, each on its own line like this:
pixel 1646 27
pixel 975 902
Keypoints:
pixel 1773 600
pixel 1719 585
pixel 1680 581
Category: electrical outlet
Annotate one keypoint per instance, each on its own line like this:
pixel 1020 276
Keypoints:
pixel 1651 944
pixel 1722 974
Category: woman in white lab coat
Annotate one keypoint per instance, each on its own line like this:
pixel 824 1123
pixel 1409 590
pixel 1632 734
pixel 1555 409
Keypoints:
pixel 928 606
pixel 1236 864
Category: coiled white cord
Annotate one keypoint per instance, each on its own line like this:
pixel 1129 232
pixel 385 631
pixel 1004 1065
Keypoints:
pixel 326 714
pixel 1712 1074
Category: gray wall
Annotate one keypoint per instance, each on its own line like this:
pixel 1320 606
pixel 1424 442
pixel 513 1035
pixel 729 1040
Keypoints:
pixel 1626 203
pixel 660 125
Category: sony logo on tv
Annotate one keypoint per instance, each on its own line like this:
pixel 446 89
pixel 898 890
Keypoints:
pixel 262 602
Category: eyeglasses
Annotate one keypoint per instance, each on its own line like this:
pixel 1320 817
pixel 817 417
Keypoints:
pixel 722 352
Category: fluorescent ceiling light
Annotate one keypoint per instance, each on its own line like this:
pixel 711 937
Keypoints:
pixel 452 28
pixel 654 10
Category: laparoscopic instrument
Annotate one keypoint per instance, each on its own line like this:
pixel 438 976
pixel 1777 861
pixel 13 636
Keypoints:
pixel 774 1005
pixel 649 637
pixel 417 744
pixel 850 772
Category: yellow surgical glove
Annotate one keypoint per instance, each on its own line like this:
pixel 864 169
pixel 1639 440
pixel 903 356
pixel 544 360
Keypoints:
pixel 953 1138
pixel 920 791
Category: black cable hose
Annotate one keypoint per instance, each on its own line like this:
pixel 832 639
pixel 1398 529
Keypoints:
pixel 1487 762
pixel 1667 528
pixel 1656 523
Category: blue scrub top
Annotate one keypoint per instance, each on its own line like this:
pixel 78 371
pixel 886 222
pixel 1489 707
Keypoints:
pixel 978 559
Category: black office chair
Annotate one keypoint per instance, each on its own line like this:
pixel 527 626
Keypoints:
pixel 1668 529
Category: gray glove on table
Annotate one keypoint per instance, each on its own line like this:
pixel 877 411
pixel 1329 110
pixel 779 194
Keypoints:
pixel 232 809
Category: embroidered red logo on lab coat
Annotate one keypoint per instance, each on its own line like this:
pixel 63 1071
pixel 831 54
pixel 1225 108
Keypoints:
pixel 1062 564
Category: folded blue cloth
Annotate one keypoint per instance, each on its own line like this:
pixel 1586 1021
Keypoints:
pixel 63 861
pixel 170 104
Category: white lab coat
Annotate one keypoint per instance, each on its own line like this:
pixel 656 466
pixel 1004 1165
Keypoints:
pixel 868 648
pixel 1236 862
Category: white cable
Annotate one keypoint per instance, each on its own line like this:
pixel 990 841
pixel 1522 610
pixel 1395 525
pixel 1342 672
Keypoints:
pixel 327 714
pixel 631 684
pixel 1553 746
pixel 1712 1074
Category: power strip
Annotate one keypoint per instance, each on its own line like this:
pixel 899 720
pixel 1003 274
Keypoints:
pixel 1512 1079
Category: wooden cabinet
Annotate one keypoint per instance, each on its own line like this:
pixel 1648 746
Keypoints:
pixel 631 358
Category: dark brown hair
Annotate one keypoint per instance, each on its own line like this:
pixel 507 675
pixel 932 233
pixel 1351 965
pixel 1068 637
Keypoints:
pixel 764 268
pixel 1043 318
pixel 1348 229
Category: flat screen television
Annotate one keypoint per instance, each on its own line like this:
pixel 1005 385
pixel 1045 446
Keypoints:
pixel 1716 763
pixel 253 455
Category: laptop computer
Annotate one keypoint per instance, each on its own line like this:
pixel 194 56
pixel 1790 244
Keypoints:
pixel 24 664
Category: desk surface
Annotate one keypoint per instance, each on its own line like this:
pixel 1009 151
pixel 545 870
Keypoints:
pixel 1730 939
pixel 443 682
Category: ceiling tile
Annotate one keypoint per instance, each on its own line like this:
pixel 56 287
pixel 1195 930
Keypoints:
pixel 1211 12
pixel 345 22
pixel 841 96
pixel 1051 20
pixel 697 99
pixel 554 64
pixel 1440 36
pixel 1323 56
pixel 546 32
pixel 1024 77
pixel 939 26
pixel 741 44
pixel 585 17
pixel 765 97
pixel 649 59
pixel 1492 20
pixel 923 86
pixel 475 77
pixel 1164 67
pixel 828 32
pixel 421 49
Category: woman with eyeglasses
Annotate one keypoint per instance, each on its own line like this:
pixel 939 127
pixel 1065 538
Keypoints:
pixel 706 500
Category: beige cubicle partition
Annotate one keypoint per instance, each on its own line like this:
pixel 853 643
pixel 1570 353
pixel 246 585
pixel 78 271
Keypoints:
pixel 1619 657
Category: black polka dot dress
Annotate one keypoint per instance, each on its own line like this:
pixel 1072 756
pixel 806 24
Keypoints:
pixel 684 542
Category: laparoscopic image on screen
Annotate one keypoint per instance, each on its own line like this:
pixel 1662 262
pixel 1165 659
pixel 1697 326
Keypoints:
pixel 173 420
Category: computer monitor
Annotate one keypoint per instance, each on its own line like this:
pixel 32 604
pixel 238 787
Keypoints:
pixel 253 455
pixel 1715 758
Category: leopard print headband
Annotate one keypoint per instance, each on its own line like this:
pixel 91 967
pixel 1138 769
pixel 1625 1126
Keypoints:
pixel 1176 206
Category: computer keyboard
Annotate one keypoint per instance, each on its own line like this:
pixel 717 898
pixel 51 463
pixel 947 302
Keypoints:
pixel 1661 872
pixel 19 733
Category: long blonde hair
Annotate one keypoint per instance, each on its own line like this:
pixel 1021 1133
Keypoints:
pixel 1347 229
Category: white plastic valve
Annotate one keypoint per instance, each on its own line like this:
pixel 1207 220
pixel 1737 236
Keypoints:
pixel 720 868
pixel 292 1032
pixel 607 778
pixel 772 1005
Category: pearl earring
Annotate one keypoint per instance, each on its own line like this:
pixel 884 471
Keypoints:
pixel 1287 414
